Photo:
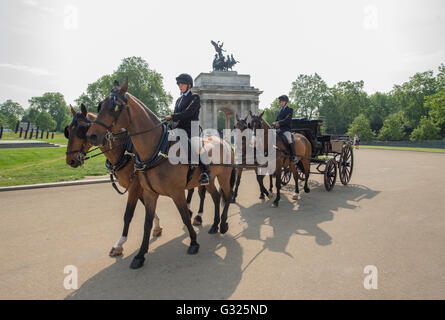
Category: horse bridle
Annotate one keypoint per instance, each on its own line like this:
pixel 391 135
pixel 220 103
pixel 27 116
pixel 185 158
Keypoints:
pixel 119 102
pixel 83 136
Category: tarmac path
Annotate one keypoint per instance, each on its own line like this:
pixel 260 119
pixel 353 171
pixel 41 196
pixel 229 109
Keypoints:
pixel 391 216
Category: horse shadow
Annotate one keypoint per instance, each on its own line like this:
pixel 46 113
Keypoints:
pixel 169 273
pixel 300 217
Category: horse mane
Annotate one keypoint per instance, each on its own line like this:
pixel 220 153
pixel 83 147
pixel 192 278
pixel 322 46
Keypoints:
pixel 267 124
pixel 150 113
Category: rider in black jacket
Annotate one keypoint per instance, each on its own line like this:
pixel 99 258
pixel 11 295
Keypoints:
pixel 284 123
pixel 187 110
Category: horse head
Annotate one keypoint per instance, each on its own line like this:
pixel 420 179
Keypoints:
pixel 78 144
pixel 110 116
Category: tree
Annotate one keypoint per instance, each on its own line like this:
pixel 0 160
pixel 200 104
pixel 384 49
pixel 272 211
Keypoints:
pixel 53 103
pixel 381 105
pixel 436 107
pixel 11 121
pixel 307 94
pixel 361 127
pixel 96 92
pixel 45 121
pixel 31 115
pixel 393 127
pixel 144 83
pixel 344 102
pixel 3 121
pixel 427 130
pixel 10 107
pixel 410 96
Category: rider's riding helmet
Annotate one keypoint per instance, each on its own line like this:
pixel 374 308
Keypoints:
pixel 283 98
pixel 185 78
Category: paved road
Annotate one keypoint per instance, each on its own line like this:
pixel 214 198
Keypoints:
pixel 390 216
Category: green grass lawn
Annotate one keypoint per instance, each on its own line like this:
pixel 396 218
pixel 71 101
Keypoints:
pixel 404 148
pixel 40 165
pixel 59 138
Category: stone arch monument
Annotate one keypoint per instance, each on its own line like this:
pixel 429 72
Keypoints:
pixel 225 91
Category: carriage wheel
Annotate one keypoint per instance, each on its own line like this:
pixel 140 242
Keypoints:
pixel 285 176
pixel 346 164
pixel 330 174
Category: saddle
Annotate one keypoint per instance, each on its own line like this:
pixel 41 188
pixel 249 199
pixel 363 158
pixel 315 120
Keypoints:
pixel 284 139
pixel 159 155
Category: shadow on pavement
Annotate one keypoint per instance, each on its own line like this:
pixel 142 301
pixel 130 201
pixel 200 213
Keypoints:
pixel 170 273
pixel 301 217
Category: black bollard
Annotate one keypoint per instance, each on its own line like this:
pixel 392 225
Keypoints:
pixel 47 133
pixel 17 127
pixel 27 129
pixel 31 133
pixel 52 136
pixel 41 135
pixel 1 132
pixel 21 131
pixel 37 133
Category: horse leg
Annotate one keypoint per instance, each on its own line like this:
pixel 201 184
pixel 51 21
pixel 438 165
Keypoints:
pixel 239 172
pixel 263 190
pixel 181 204
pixel 270 183
pixel 157 231
pixel 132 199
pixel 278 186
pixel 150 200
pixel 216 200
pixel 307 167
pixel 202 194
pixel 224 182
pixel 295 174
pixel 189 199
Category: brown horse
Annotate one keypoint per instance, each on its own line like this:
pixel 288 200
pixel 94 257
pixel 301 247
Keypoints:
pixel 122 166
pixel 241 124
pixel 122 110
pixel 303 150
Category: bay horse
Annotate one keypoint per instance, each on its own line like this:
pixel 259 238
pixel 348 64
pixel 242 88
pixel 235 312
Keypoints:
pixel 303 150
pixel 157 176
pixel 121 165
pixel 241 124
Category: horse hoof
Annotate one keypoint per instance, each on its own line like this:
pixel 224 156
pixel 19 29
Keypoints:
pixel 262 197
pixel 193 249
pixel 224 227
pixel 270 195
pixel 295 196
pixel 191 213
pixel 115 252
pixel 197 221
pixel 137 263
pixel 307 190
pixel 275 205
pixel 157 232
pixel 213 230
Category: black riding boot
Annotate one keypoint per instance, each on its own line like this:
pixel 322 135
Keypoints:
pixel 292 150
pixel 205 174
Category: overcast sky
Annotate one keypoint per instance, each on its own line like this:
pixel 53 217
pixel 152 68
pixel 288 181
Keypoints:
pixel 61 45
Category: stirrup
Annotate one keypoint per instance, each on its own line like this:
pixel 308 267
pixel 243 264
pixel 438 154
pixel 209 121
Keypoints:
pixel 204 179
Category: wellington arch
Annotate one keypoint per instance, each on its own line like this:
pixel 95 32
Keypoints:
pixel 225 91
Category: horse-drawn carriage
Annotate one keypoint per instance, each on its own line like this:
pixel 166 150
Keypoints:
pixel 329 153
